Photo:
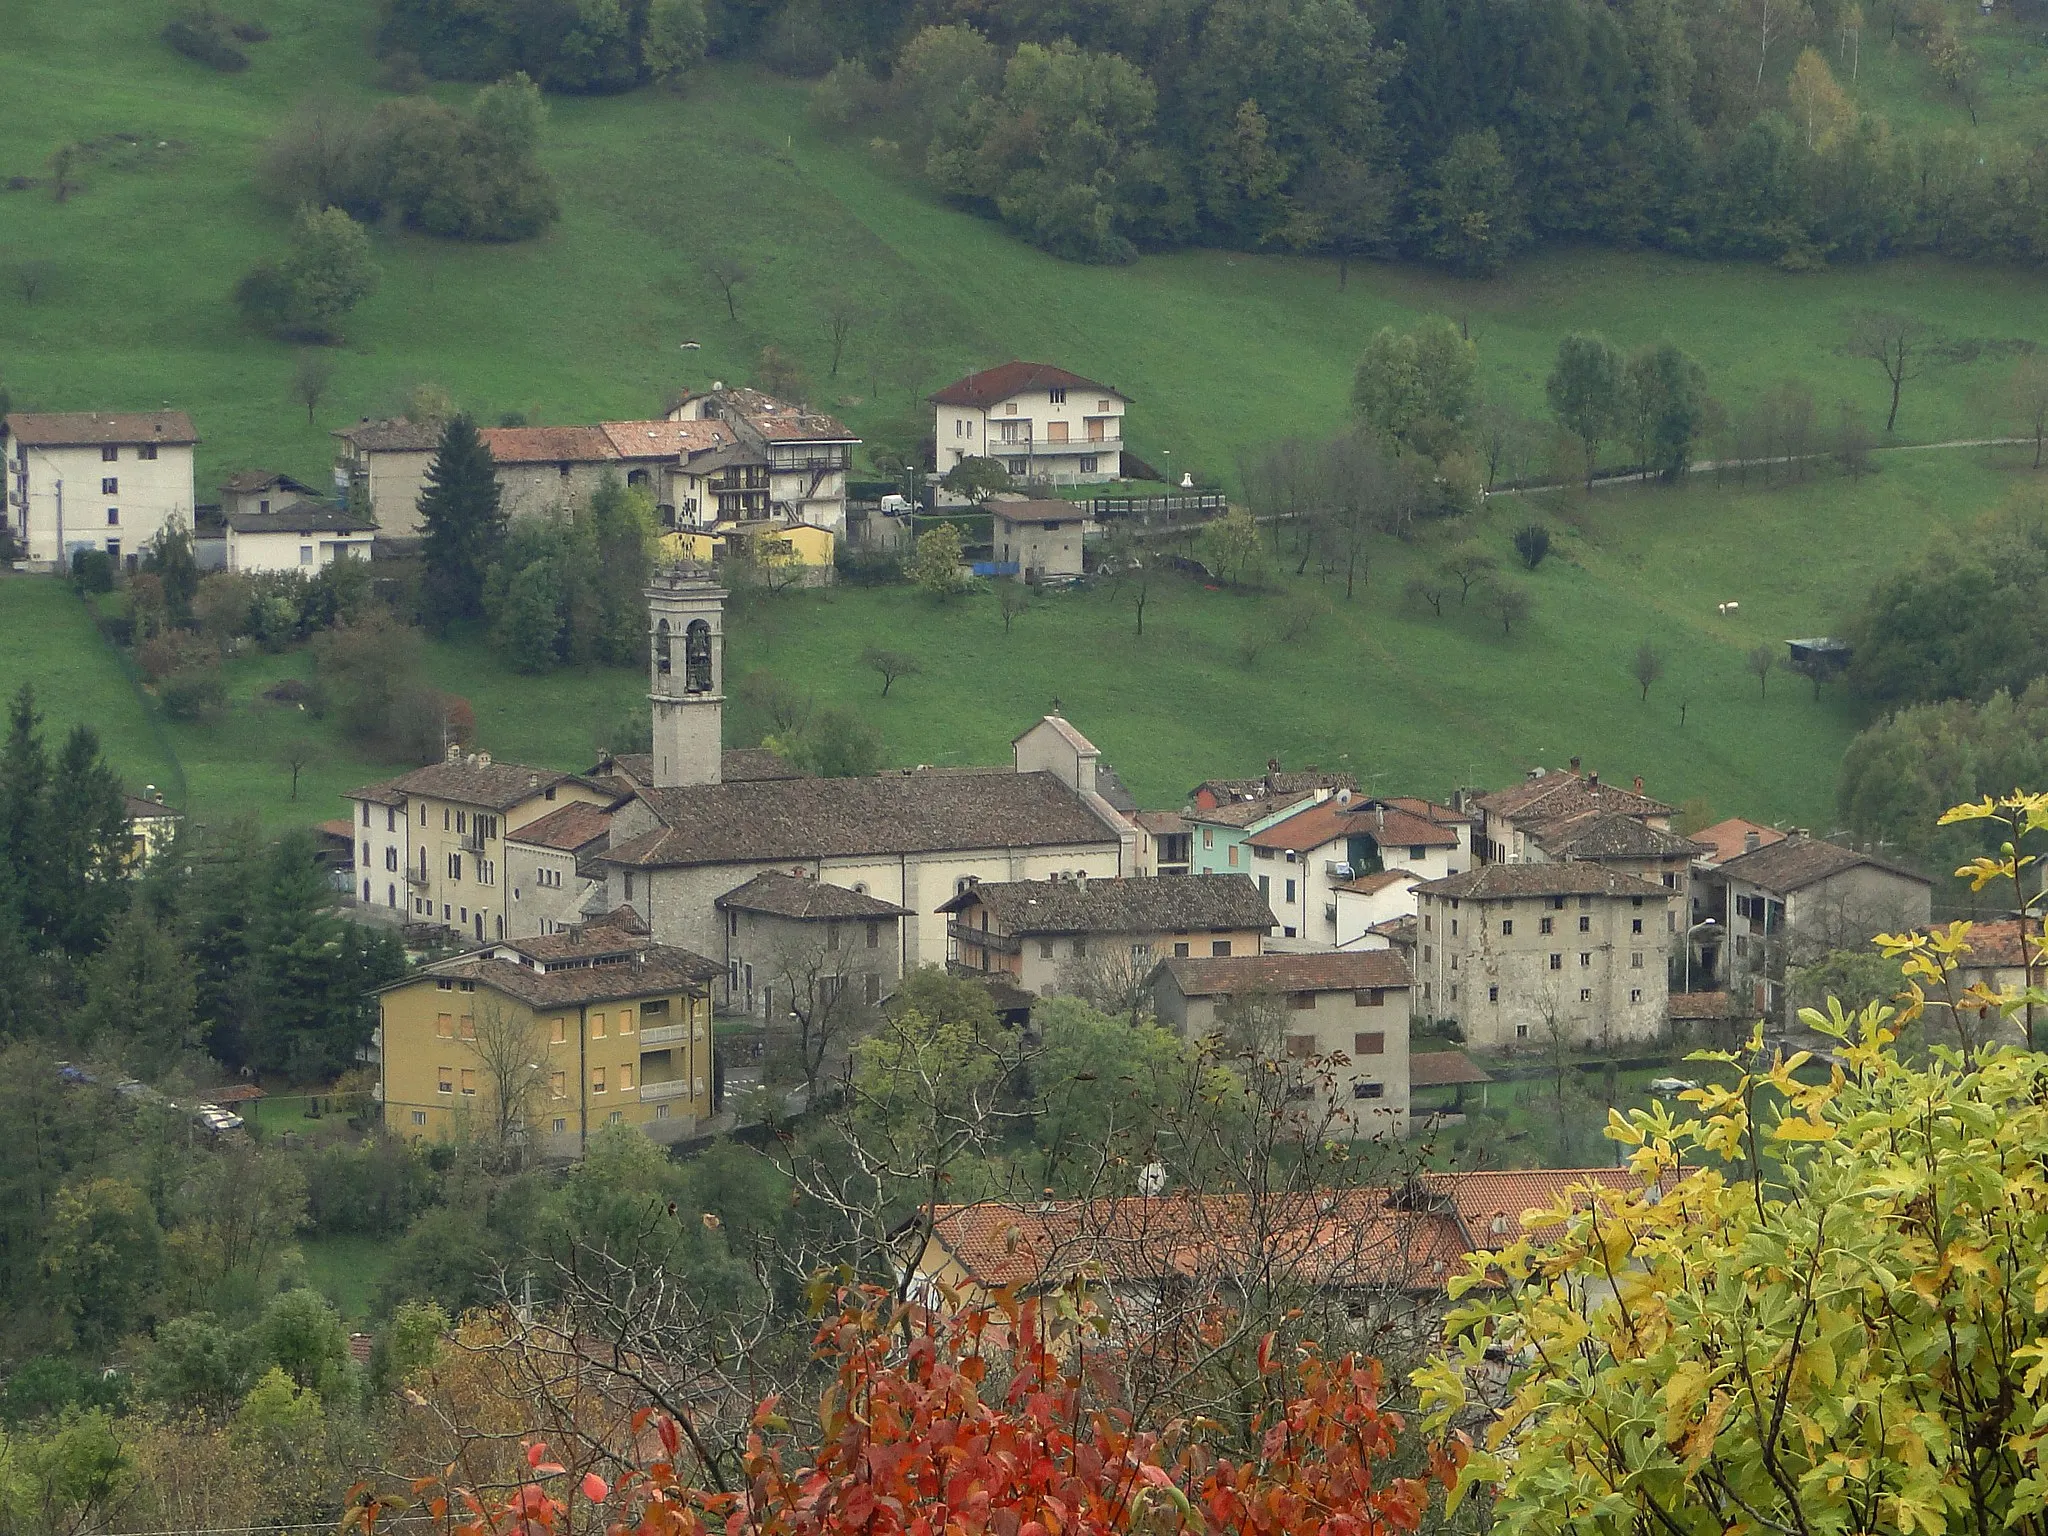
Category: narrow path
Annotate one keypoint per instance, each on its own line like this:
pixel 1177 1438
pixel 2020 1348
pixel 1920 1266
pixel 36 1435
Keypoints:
pixel 1709 466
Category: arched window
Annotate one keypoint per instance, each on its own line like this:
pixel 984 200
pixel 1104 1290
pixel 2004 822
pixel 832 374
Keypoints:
pixel 661 660
pixel 697 657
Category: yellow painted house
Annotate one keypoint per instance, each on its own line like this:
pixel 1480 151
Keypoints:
pixel 773 543
pixel 558 1036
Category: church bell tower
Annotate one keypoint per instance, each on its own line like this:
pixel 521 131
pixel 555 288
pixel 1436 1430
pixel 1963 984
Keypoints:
pixel 686 687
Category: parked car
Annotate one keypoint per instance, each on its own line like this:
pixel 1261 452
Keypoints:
pixel 1671 1087
pixel 215 1119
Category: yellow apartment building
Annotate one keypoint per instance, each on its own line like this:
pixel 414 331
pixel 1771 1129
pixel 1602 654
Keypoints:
pixel 550 1039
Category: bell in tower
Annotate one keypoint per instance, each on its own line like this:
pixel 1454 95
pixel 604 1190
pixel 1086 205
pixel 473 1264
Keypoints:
pixel 686 681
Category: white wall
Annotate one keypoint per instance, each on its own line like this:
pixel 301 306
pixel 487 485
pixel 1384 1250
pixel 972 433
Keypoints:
pixel 307 552
pixel 148 492
pixel 970 432
pixel 380 842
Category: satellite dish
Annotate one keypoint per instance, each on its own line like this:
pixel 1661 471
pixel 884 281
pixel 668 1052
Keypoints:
pixel 1152 1179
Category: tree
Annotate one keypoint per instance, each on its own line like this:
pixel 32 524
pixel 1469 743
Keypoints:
pixel 104 1258
pixel 1646 667
pixel 1760 660
pixel 727 272
pixel 2026 396
pixel 781 375
pixel 1585 393
pixel 1431 589
pixel 1471 216
pixel 891 665
pixel 1013 599
pixel 1510 605
pixel 935 563
pixel 142 995
pixel 675 40
pixel 461 523
pixel 1532 543
pixel 820 985
pixel 1901 345
pixel 311 376
pixel 1465 564
pixel 172 559
pixel 293 757
pixel 1665 393
pixel 976 478
pixel 1350 206
pixel 512 1052
pixel 326 272
pixel 1822 107
pixel 843 314
pixel 1867 1249
pixel 832 743
pixel 1852 440
pixel 1230 547
pixel 1418 388
pixel 33 275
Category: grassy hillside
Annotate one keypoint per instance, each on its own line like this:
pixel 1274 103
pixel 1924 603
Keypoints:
pixel 1406 700
pixel 1222 351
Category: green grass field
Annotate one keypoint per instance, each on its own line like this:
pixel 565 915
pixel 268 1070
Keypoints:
pixel 346 1270
pixel 1408 701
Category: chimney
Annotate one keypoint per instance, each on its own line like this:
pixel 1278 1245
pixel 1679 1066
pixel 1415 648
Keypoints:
pixel 453 754
pixel 533 781
pixel 1593 778
pixel 1639 783
pixel 1750 841
pixel 1081 880
pixel 1575 765
pixel 483 759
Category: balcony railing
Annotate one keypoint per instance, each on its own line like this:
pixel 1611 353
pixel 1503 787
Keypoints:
pixel 1002 943
pixel 473 841
pixel 674 1088
pixel 415 877
pixel 664 1034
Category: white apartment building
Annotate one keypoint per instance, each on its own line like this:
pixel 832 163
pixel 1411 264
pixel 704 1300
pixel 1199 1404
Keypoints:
pixel 95 480
pixel 1038 421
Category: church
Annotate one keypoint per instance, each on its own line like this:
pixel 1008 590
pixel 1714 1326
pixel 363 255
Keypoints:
pixel 912 838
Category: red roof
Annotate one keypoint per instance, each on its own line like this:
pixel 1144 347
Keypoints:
pixel 1444 1069
pixel 566 828
pixel 548 445
pixel 1007 380
pixel 1379 880
pixel 1328 820
pixel 1997 945
pixel 1490 1205
pixel 1729 839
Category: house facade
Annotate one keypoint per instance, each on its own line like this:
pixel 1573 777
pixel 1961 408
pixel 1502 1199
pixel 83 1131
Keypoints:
pixel 382 466
pixel 1520 955
pixel 1084 935
pixel 1512 819
pixel 1337 1023
pixel 552 1039
pixel 544 469
pixel 447 864
pixel 546 869
pixel 95 480
pixel 304 536
pixel 1038 539
pixel 793 943
pixel 798 456
pixel 1365 906
pixel 1300 860
pixel 1040 422
pixel 262 490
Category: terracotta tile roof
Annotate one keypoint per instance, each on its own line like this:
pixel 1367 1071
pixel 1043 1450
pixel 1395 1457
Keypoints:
pixel 1490 1205
pixel 548 445
pixel 665 439
pixel 1334 818
pixel 1725 840
pixel 1798 862
pixel 138 809
pixel 1429 810
pixel 1398 931
pixel 566 828
pixel 1037 511
pixel 247 482
pixel 1505 882
pixel 396 435
pixel 1701 1005
pixel 468 780
pixel 798 896
pixel 1161 823
pixel 1999 945
pixel 1159 904
pixel 1344 970
pixel 300 517
pixel 1341 1238
pixel 1297 782
pixel 800 427
pixel 1444 1069
pixel 658 969
pixel 617 935
pixel 1562 792
pixel 1378 880
pixel 1605 834
pixel 773 821
pixel 994 385
pixel 78 429
pixel 1242 813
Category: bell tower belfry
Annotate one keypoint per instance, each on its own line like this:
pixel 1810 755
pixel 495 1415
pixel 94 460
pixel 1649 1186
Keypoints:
pixel 686 676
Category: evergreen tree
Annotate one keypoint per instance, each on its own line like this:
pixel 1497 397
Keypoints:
pixel 90 845
pixel 24 810
pixel 140 996
pixel 462 523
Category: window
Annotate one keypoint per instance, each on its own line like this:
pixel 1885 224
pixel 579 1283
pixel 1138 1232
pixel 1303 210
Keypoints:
pixel 1368 997
pixel 1220 948
pixel 1266 887
pixel 419 1117
pixel 391 858
pixel 1045 949
pixel 390 817
pixel 831 935
pixel 454 866
pixel 444 1025
pixel 871 987
pixel 1521 1031
pixel 661 1111
pixel 558 1031
pixel 469 1082
pixel 1585 925
pixel 1300 1000
pixel 1585 994
pixel 305 554
pixel 1428 922
pixel 629 885
pixel 1557 903
pixel 366 813
pixel 1372 1043
pixel 1299 1047
pixel 113 517
pixel 1019 467
pixel 1454 927
pixel 1543 926
pixel 1057 396
pixel 110 486
pixel 1368 1090
pixel 1635 994
pixel 625 1076
pixel 597 1079
pixel 469 1026
pixel 1088 464
pixel 1080 949
pixel 874 935
pixel 1507 927
pixel 1233 855
pixel 146 451
pixel 616 1117
pixel 1208 837
pixel 487 871
pixel 558 1084
pixel 1635 960
pixel 625 1021
pixel 109 453
pixel 445 1079
pixel 597 1026
pixel 561 1125
pixel 423 815
pixel 1290 891
pixel 1557 962
pixel 1428 953
pixel 1585 959
pixel 1636 926
pixel 1493 994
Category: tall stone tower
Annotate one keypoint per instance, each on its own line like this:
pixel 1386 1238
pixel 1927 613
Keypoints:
pixel 686 688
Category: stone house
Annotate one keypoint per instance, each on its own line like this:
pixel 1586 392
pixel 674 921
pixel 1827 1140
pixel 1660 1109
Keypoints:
pixel 263 490
pixel 1038 421
pixel 1517 954
pixel 94 480
pixel 547 870
pixel 542 469
pixel 802 943
pixel 555 1037
pixel 1037 540
pixel 800 456
pixel 1337 1021
pixel 385 464
pixel 1099 937
pixel 1509 818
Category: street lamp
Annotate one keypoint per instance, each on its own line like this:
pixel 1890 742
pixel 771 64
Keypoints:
pixel 1699 927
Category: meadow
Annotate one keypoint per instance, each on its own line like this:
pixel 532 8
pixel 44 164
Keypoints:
pixel 1223 353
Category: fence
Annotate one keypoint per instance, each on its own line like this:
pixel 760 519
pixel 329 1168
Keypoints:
pixel 1145 509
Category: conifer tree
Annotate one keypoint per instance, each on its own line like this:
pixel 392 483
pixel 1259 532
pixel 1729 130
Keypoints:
pixel 463 524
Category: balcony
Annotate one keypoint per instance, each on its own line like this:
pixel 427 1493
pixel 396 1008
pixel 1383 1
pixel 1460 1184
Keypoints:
pixel 674 1088
pixel 1042 447
pixel 981 938
pixel 664 1034
pixel 472 841
pixel 415 878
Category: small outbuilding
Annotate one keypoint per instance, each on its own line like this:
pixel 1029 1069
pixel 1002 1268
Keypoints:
pixel 1038 540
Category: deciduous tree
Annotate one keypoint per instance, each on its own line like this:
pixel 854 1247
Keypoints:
pixel 1585 393
pixel 1900 344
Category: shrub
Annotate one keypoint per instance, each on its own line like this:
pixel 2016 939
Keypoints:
pixel 201 33
pixel 92 571
pixel 196 693
pixel 1532 544
pixel 175 650
pixel 250 32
